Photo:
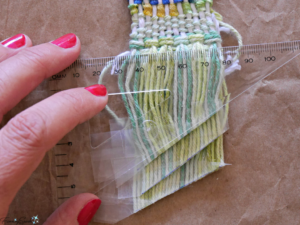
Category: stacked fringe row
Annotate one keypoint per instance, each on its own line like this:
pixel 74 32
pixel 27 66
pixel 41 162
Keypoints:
pixel 173 88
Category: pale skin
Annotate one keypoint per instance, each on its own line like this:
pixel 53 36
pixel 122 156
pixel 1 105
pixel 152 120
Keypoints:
pixel 29 135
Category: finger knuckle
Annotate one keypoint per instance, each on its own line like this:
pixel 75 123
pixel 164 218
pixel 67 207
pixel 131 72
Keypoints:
pixel 4 54
pixel 2 87
pixel 64 215
pixel 2 84
pixel 26 131
pixel 35 59
pixel 76 101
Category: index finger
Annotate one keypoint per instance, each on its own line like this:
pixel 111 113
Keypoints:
pixel 23 72
pixel 11 46
pixel 26 138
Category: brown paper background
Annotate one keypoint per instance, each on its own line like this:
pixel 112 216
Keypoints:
pixel 262 186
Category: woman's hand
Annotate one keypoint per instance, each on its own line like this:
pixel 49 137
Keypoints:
pixel 29 135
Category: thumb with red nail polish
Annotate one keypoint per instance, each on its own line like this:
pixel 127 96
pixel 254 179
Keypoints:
pixel 97 90
pixel 79 209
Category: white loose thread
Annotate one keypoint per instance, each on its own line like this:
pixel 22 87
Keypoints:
pixel 168 23
pixel 185 90
pixel 233 67
pixel 161 22
pixel 216 22
pixel 196 22
pixel 118 61
pixel 181 22
pixel 209 21
pixel 141 30
pixel 174 21
pixel 134 24
pixel 203 22
pixel 155 26
pixel 148 24
pixel 130 74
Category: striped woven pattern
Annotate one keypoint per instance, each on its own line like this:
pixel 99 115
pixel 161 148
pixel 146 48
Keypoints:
pixel 173 87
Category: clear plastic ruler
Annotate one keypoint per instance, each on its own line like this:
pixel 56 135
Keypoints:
pixel 70 162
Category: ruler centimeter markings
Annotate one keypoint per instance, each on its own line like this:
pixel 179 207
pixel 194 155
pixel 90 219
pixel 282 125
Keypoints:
pixel 71 164
pixel 72 186
pixel 68 143
pixel 62 175
pixel 60 154
pixel 97 64
pixel 84 72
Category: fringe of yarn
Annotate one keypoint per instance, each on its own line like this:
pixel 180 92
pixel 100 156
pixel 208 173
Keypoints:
pixel 173 87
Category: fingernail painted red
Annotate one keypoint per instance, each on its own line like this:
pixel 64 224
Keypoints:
pixel 97 89
pixel 66 41
pixel 88 212
pixel 15 42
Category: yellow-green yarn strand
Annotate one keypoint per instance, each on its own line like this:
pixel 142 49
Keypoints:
pixel 210 2
pixel 153 108
pixel 133 9
pixel 200 5
pixel 146 109
pixel 165 41
pixel 187 9
pixel 158 100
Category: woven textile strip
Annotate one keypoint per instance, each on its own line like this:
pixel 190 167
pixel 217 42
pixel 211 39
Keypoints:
pixel 189 106
pixel 190 115
pixel 205 34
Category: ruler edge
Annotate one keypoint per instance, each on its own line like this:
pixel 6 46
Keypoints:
pixel 229 50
